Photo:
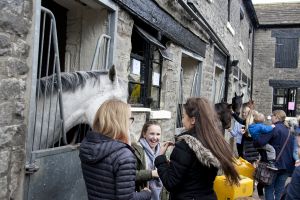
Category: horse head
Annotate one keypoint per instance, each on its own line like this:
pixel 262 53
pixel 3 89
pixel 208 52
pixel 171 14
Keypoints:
pixel 223 110
pixel 237 102
pixel 82 94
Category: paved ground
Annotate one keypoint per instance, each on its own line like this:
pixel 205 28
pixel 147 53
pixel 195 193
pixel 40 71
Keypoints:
pixel 255 195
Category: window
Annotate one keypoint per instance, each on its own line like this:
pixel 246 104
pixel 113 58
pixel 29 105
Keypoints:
pixel 285 99
pixel 250 43
pixel 228 10
pixel 145 70
pixel 218 84
pixel 286 53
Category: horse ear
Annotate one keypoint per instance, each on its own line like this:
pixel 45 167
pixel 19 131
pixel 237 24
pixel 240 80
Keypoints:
pixel 112 73
pixel 235 94
pixel 242 95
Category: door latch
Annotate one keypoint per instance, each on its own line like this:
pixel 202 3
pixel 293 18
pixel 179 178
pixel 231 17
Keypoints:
pixel 31 168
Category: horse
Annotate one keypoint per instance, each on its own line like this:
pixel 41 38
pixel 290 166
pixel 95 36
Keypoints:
pixel 224 110
pixel 82 94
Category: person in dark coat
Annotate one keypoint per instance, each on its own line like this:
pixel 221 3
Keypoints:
pixel 107 161
pixel 197 156
pixel 293 188
pixel 286 163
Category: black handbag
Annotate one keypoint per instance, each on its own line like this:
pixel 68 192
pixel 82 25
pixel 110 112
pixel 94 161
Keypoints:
pixel 265 175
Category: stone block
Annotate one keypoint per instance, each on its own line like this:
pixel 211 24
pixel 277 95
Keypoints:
pixel 3 187
pixel 4 45
pixel 17 161
pixel 16 67
pixel 6 110
pixel 20 48
pixel 11 88
pixel 11 23
pixel 4 161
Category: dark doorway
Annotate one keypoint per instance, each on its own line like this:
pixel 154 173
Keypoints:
pixel 47 57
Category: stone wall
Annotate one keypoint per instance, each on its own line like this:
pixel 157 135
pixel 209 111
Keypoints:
pixel 264 70
pixel 15 42
pixel 215 13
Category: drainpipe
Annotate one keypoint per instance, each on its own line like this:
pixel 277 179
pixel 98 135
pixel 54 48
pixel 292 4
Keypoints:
pixel 227 72
pixel 252 63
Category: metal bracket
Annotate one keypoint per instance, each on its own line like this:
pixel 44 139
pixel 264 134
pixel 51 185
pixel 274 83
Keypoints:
pixel 31 168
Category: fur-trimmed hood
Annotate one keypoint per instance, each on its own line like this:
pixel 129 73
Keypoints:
pixel 203 154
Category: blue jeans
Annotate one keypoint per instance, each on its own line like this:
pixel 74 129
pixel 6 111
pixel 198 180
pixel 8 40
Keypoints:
pixel 277 187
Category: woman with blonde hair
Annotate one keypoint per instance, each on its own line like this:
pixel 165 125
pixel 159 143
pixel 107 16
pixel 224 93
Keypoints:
pixel 107 160
pixel 197 156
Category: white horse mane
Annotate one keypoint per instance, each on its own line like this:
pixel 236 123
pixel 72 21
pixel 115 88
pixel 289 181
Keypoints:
pixel 70 81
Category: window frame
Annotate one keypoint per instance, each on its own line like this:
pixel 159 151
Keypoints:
pixel 147 63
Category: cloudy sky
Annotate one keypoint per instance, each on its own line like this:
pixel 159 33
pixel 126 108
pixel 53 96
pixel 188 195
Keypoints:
pixel 273 1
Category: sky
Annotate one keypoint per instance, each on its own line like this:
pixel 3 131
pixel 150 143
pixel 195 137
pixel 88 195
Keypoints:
pixel 272 1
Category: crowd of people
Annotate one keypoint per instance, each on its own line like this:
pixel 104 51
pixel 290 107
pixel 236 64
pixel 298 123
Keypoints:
pixel 257 141
pixel 115 168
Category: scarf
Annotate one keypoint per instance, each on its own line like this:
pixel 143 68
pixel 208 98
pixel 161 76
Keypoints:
pixel 155 185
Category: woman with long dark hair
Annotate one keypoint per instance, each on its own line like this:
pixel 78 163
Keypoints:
pixel 198 155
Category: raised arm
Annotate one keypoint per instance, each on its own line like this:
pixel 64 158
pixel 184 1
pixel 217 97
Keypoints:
pixel 238 119
pixel 266 128
pixel 171 173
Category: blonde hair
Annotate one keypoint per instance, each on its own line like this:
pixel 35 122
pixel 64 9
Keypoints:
pixel 280 114
pixel 259 117
pixel 250 118
pixel 112 120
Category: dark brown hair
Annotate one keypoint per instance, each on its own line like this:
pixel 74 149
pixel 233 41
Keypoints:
pixel 210 135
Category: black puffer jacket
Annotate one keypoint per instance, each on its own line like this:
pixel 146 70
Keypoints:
pixel 108 168
pixel 191 172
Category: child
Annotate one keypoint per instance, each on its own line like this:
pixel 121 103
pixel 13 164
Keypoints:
pixel 256 129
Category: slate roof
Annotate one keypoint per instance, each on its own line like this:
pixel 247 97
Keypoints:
pixel 279 13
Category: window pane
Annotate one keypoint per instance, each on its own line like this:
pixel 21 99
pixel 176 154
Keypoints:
pixel 134 93
pixel 279 92
pixel 280 100
pixel 155 97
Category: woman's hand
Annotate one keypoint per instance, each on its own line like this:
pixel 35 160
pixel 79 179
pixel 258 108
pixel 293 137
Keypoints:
pixel 154 174
pixel 164 147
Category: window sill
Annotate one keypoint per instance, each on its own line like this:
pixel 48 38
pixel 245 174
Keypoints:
pixel 229 27
pixel 160 114
pixel 154 114
pixel 140 109
pixel 249 62
pixel 241 46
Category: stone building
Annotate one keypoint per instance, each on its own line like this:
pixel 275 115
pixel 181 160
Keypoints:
pixel 276 69
pixel 166 51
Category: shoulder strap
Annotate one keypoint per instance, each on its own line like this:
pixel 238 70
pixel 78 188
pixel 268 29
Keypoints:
pixel 286 141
